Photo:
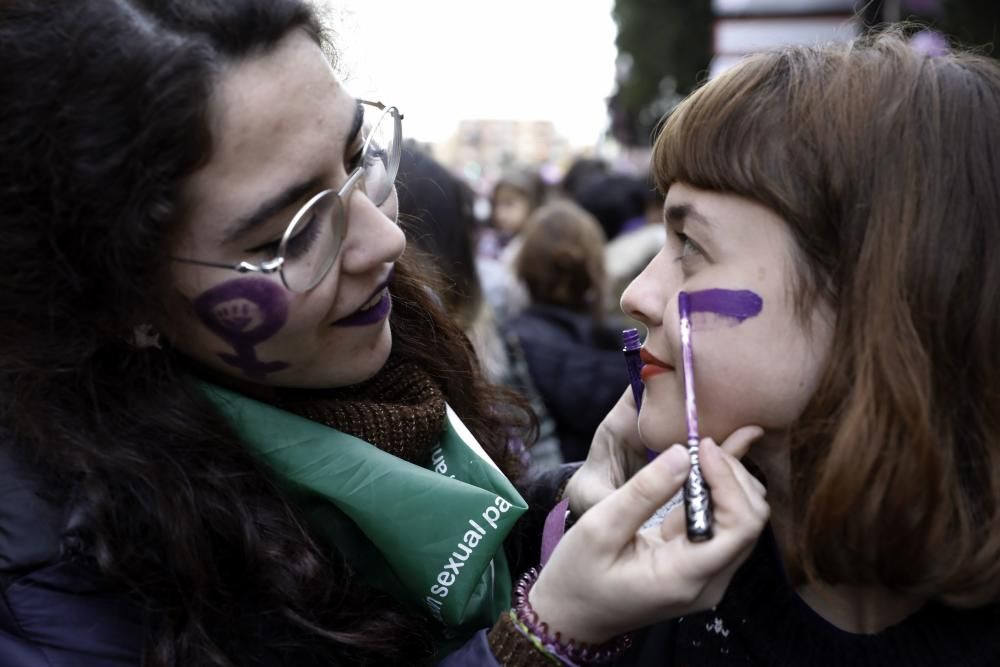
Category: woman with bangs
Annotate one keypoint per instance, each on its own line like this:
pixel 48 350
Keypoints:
pixel 847 199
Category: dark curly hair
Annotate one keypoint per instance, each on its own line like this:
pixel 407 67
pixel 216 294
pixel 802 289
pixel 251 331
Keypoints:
pixel 104 110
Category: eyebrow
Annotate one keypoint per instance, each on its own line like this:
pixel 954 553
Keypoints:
pixel 270 208
pixel 679 214
pixel 286 197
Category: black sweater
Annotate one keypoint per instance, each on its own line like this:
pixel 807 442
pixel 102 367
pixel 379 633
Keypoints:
pixel 761 621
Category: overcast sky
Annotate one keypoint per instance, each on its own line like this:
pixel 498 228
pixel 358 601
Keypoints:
pixel 441 61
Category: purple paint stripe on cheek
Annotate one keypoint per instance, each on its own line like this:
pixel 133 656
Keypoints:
pixel 735 305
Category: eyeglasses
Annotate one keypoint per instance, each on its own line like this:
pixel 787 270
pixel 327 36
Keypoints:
pixel 312 240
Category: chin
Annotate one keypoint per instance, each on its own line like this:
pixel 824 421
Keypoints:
pixel 655 434
pixel 334 370
pixel 363 365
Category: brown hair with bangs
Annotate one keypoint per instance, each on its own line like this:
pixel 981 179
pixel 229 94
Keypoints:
pixel 884 163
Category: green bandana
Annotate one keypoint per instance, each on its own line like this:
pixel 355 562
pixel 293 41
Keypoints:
pixel 432 537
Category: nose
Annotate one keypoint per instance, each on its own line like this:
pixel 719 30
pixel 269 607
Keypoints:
pixel 373 238
pixel 647 295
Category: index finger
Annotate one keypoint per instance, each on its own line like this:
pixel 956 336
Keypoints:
pixel 739 441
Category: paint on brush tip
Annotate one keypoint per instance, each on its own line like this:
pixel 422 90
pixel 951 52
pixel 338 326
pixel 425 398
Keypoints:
pixel 732 306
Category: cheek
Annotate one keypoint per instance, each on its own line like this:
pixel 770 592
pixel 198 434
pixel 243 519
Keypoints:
pixel 244 311
pixel 742 377
pixel 754 375
pixel 245 316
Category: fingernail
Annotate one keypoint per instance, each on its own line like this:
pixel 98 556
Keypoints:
pixel 676 460
pixel 706 444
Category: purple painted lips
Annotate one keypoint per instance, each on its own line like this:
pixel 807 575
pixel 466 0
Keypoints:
pixel 371 312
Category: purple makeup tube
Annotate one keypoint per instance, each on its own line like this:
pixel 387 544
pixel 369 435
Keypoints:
pixel 697 495
pixel 633 364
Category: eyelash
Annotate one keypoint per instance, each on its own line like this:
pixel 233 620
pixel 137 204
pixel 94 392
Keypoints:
pixel 271 247
pixel 300 244
pixel 688 247
pixel 354 161
pixel 297 245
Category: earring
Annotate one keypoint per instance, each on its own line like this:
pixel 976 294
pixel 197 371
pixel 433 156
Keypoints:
pixel 145 336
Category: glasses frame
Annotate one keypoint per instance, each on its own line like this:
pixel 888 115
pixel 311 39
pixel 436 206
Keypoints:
pixel 277 263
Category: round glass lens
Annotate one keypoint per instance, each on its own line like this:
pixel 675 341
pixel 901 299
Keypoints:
pixel 312 241
pixel 382 150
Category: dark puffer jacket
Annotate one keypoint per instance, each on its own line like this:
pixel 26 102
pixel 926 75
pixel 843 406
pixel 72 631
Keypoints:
pixel 55 610
pixel 578 368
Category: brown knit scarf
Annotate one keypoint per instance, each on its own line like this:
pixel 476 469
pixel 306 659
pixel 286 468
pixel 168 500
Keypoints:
pixel 400 410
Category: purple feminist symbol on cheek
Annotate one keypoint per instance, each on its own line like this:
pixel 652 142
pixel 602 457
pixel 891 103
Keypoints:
pixel 729 307
pixel 245 312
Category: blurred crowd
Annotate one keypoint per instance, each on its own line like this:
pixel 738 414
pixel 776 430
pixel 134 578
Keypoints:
pixel 534 279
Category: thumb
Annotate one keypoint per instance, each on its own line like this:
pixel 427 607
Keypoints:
pixel 623 512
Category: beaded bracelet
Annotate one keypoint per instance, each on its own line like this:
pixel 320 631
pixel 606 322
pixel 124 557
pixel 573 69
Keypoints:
pixel 571 652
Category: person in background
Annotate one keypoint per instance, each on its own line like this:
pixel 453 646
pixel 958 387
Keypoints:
pixel 235 428
pixel 573 354
pixel 618 201
pixel 580 170
pixel 633 248
pixel 517 193
pixel 435 211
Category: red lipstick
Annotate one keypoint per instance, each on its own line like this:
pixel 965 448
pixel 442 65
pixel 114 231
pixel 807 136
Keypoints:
pixel 651 365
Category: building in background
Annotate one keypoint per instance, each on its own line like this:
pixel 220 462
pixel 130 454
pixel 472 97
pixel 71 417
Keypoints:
pixel 742 27
pixel 481 149
pixel 667 47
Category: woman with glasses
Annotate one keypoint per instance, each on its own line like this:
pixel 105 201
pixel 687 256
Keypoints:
pixel 235 430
